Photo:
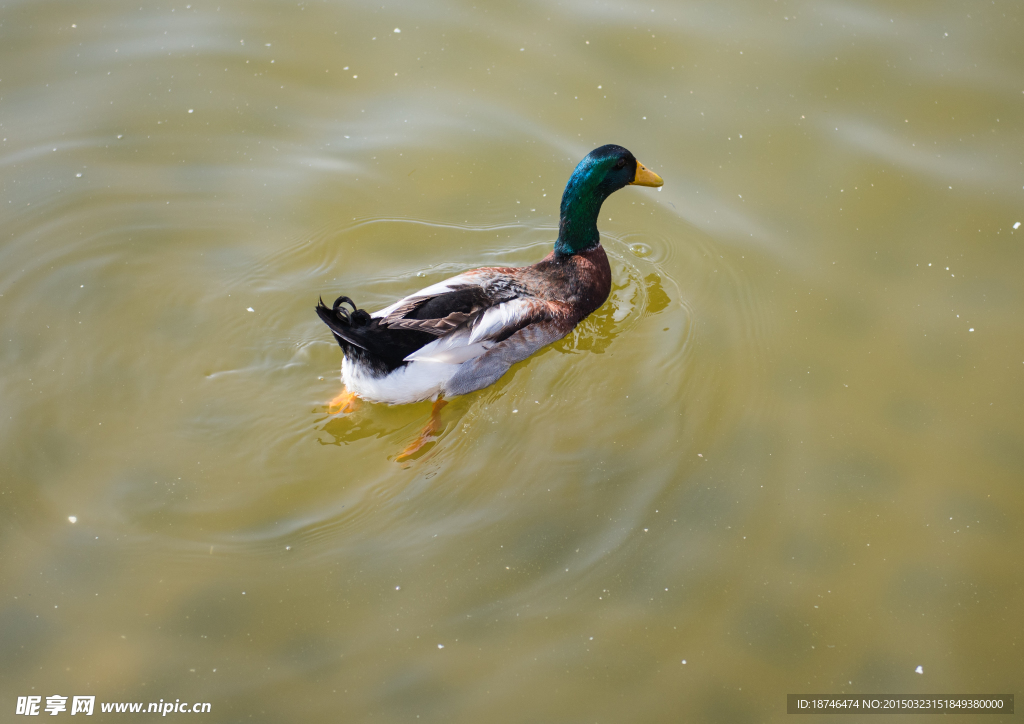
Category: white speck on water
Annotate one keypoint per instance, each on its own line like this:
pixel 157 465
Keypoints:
pixel 919 670
pixel 971 329
pixel 684 661
pixel 440 646
pixel 398 588
pixel 1017 225
pixel 250 309
pixel 398 30
pixel 287 548
pixel 78 175
pixel 700 455
pixel 514 411
pixel 73 518
pixel 120 135
pixel 190 110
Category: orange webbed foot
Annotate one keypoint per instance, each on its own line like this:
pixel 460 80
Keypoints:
pixel 427 436
pixel 345 402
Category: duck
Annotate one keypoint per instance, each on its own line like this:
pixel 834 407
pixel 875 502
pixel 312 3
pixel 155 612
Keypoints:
pixel 462 334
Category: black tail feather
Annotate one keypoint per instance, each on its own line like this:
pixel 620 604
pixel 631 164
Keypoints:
pixel 343 323
pixel 362 336
pixel 339 309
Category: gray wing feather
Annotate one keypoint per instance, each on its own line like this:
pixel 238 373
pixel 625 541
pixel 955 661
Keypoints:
pixel 487 368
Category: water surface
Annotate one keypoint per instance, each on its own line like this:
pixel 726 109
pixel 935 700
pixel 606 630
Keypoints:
pixel 788 451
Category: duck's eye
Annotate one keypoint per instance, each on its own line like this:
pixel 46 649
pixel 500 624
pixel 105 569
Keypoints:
pixel 620 163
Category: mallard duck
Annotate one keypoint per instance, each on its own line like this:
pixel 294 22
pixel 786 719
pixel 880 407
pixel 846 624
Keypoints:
pixel 464 333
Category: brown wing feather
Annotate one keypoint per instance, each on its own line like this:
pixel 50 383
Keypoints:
pixel 441 312
pixel 438 327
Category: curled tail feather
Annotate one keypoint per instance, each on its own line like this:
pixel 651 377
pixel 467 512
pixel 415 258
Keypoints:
pixel 344 323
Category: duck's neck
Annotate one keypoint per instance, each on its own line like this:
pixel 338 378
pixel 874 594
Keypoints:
pixel 581 203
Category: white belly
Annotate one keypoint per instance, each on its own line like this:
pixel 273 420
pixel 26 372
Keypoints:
pixel 415 382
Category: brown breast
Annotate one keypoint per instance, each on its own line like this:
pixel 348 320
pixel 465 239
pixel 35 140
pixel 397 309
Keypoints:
pixel 582 281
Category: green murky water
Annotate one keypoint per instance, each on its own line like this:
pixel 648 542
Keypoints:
pixel 779 452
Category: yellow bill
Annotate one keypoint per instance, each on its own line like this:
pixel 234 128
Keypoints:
pixel 646 177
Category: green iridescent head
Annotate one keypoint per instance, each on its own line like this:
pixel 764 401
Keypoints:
pixel 602 172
